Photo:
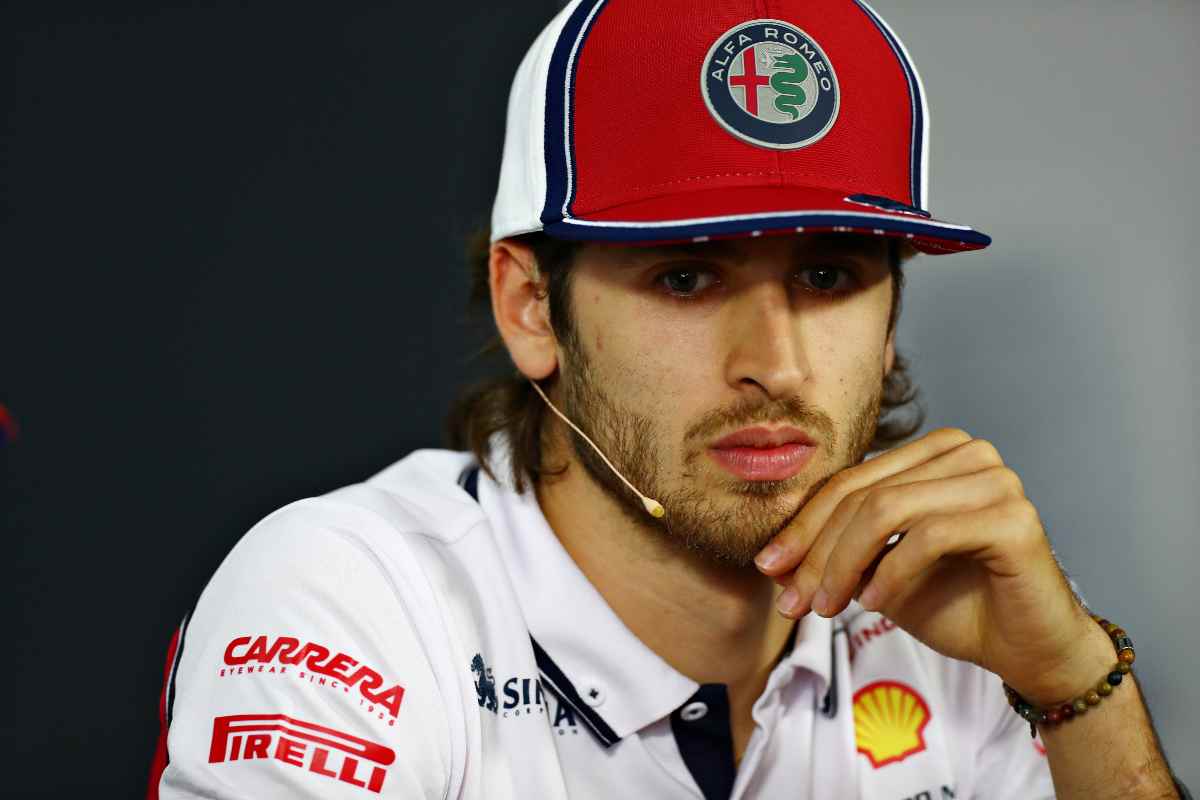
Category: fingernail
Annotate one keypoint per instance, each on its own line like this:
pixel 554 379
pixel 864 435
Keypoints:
pixel 820 602
pixel 787 601
pixel 869 598
pixel 771 555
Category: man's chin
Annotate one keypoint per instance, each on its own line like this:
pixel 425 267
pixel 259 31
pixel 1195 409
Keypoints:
pixel 731 525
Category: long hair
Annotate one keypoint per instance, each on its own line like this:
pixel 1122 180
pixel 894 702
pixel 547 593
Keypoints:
pixel 509 403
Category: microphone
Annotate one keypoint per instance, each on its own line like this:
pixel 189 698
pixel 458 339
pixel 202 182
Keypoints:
pixel 652 506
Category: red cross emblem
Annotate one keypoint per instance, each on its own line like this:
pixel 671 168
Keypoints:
pixel 749 80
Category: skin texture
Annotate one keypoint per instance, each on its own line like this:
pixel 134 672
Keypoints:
pixel 674 348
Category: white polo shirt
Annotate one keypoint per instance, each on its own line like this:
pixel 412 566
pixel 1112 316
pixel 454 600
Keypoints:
pixel 425 635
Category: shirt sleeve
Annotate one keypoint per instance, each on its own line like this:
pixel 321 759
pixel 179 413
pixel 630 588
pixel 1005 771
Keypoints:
pixel 303 673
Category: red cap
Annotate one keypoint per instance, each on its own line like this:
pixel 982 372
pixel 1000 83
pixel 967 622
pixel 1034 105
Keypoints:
pixel 671 120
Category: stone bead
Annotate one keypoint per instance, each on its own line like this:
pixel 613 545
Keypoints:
pixel 1103 688
pixel 1080 706
pixel 1126 656
pixel 1067 710
pixel 1119 632
pixel 1123 668
pixel 1054 716
pixel 1092 697
pixel 1110 627
pixel 1114 678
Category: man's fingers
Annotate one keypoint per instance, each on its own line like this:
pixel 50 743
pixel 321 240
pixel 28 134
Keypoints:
pixel 790 546
pixel 943 535
pixel 899 508
pixel 965 458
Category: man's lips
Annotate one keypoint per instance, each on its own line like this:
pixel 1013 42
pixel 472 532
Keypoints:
pixel 764 437
pixel 763 454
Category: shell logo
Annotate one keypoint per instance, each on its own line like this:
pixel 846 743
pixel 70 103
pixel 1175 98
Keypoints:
pixel 889 722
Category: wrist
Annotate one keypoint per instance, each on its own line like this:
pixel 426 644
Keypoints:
pixel 1090 659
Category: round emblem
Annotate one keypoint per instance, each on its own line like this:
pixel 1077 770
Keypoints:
pixel 769 83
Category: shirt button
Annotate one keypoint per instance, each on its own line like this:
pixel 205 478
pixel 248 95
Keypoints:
pixel 694 711
pixel 594 696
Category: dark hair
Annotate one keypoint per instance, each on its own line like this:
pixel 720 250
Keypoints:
pixel 510 404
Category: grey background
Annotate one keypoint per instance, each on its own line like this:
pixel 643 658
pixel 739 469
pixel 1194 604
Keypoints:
pixel 1067 131
pixel 231 276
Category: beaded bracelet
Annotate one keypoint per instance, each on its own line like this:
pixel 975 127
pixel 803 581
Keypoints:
pixel 1057 714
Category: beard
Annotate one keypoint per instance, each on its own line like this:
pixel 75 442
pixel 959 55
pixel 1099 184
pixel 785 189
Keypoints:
pixel 732 523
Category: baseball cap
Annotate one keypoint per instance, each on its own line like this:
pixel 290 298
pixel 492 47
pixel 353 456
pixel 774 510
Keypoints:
pixel 665 121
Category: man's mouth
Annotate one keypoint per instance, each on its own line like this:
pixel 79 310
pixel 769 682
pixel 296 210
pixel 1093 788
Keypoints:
pixel 764 454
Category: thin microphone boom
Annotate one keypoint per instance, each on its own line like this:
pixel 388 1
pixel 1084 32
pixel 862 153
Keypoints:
pixel 652 506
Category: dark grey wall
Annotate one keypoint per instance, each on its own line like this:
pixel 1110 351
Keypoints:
pixel 230 276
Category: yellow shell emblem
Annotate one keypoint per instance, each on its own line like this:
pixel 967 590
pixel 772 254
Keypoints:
pixel 889 722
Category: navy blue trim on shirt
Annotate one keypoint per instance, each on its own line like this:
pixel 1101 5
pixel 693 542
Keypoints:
pixel 706 743
pixel 469 481
pixel 556 681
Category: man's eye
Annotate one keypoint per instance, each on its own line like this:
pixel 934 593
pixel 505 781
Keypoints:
pixel 686 282
pixel 824 280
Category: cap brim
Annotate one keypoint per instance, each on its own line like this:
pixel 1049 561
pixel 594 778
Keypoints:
pixel 759 210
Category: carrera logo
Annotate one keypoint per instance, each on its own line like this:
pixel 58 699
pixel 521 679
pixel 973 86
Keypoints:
pixel 315 663
pixel 321 750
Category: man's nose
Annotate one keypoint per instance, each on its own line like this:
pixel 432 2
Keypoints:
pixel 769 349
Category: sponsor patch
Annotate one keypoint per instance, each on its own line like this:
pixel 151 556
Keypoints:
pixel 863 636
pixel 315 664
pixel 519 694
pixel 305 745
pixel 769 83
pixel 889 722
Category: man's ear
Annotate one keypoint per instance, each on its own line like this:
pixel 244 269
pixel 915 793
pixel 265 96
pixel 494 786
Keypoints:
pixel 520 308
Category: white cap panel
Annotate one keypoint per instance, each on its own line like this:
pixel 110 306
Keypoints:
pixel 522 191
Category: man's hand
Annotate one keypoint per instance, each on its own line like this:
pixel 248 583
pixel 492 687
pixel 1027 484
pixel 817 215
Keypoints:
pixel 973 576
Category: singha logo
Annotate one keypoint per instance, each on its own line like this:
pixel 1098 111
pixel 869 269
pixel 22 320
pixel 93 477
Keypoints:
pixel 485 686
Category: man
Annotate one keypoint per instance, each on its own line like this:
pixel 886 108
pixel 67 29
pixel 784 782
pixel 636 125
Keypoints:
pixel 638 574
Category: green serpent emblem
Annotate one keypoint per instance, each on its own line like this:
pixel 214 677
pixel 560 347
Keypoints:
pixel 787 83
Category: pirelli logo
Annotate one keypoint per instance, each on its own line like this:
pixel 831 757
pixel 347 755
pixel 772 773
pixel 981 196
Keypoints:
pixel 316 748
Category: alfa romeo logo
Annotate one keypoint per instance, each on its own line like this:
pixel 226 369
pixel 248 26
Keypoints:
pixel 769 83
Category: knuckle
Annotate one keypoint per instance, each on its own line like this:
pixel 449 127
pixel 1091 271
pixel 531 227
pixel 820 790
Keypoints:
pixel 934 537
pixel 1027 534
pixel 951 435
pixel 1008 480
pixel 852 502
pixel 841 481
pixel 1027 512
pixel 882 503
pixel 982 451
pixel 876 502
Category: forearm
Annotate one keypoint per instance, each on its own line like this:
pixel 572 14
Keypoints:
pixel 1111 750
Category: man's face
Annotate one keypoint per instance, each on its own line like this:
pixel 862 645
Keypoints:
pixel 697 369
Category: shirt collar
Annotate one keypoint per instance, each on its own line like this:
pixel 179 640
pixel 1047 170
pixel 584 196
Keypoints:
pixel 585 653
